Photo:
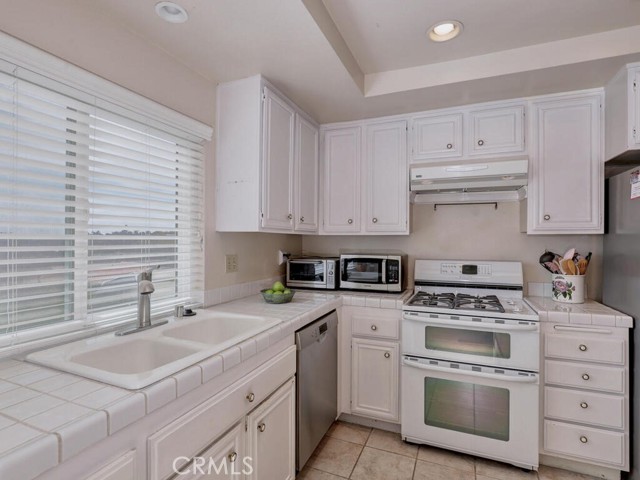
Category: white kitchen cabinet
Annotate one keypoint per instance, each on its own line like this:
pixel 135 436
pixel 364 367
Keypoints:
pixel 566 178
pixel 436 136
pixel 224 460
pixel 122 468
pixel 496 130
pixel 375 378
pixel 622 116
pixel 386 189
pixel 277 165
pixel 585 397
pixel 365 188
pixel 342 171
pixel 271 436
pixel 265 146
pixel 305 185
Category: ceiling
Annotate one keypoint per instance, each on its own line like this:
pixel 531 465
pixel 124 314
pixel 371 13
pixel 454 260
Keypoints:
pixel 351 59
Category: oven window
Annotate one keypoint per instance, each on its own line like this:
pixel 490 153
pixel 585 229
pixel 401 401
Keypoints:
pixel 362 270
pixel 466 407
pixel 307 272
pixel 470 342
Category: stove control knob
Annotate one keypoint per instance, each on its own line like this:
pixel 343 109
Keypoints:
pixel 582 347
pixel 585 376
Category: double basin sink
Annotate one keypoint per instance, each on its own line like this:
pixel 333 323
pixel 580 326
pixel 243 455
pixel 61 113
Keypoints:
pixel 138 360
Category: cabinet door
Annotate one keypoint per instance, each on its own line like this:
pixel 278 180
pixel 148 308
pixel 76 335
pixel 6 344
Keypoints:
pixel 122 468
pixel 386 187
pixel 374 379
pixel 306 176
pixel 496 130
pixel 635 95
pixel 341 195
pixel 271 436
pixel 277 163
pixel 437 136
pixel 225 459
pixel 566 176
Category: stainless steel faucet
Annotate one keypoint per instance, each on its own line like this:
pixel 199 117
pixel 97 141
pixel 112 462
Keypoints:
pixel 145 289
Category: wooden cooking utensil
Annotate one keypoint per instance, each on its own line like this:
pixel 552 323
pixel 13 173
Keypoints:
pixel 582 266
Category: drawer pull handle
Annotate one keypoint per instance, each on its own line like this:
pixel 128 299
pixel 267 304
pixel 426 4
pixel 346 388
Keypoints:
pixel 374 328
pixel 584 404
pixel 289 217
pixel 251 397
pixel 374 220
pixel 449 146
pixel 585 376
pixel 387 355
pixel 262 427
pixel 547 217
pixel 480 142
pixel 582 347
pixel 584 439
pixel 232 457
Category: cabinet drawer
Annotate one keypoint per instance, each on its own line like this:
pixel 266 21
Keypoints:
pixel 378 326
pixel 588 348
pixel 191 433
pixel 585 407
pixel 592 377
pixel 589 444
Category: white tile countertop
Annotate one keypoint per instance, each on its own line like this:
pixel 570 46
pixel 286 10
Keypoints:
pixel 47 416
pixel 587 313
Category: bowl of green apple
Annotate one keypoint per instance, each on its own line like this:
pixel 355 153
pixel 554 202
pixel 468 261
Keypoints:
pixel 278 293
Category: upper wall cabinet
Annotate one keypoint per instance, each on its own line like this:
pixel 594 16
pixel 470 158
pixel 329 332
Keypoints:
pixel 486 130
pixel 365 174
pixel 266 161
pixel 622 117
pixel 567 171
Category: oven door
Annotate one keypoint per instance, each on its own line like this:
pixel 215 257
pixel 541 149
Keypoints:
pixel 471 409
pixel 363 272
pixel 307 273
pixel 478 340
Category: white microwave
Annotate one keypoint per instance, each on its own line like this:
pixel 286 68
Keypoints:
pixel 321 273
pixel 383 273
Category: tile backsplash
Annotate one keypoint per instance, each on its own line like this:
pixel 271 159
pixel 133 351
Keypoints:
pixel 234 292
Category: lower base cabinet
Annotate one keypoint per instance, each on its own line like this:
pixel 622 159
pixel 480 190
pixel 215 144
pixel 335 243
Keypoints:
pixel 122 468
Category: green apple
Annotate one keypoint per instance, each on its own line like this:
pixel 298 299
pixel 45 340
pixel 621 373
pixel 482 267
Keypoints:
pixel 269 291
pixel 278 287
pixel 286 291
pixel 277 292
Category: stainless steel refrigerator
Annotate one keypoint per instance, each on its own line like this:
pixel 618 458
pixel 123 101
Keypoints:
pixel 621 282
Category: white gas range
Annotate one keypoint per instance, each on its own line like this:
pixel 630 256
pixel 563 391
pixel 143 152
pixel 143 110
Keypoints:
pixel 470 346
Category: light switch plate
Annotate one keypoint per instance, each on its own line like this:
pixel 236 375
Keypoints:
pixel 231 263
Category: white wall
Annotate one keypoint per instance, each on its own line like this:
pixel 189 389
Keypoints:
pixel 472 232
pixel 79 33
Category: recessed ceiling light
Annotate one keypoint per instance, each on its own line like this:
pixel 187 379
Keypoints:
pixel 446 30
pixel 171 12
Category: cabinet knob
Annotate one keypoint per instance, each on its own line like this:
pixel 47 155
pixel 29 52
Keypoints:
pixel 374 220
pixel 584 405
pixel 585 376
pixel 350 221
pixel 582 347
pixel 289 216
pixel 374 328
pixel 251 397
pixel 584 439
pixel 547 217
pixel 449 146
pixel 301 219
pixel 480 142
pixel 262 427
pixel 387 355
pixel 232 457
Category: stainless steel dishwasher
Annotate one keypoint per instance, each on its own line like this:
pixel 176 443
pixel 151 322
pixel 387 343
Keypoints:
pixel 317 384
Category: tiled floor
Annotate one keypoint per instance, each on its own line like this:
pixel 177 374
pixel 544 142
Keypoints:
pixel 361 453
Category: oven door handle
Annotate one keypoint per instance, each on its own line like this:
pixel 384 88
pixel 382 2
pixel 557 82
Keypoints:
pixel 492 376
pixel 475 325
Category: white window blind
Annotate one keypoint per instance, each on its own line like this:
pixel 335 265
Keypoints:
pixel 91 194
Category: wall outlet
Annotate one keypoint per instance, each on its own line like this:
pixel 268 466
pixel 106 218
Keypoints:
pixel 231 263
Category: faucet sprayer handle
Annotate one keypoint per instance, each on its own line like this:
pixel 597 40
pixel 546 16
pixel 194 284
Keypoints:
pixel 145 287
pixel 147 273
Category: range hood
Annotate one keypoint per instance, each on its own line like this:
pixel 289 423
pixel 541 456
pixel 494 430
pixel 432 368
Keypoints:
pixel 470 181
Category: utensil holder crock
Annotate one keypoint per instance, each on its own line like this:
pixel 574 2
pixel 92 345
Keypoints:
pixel 567 288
